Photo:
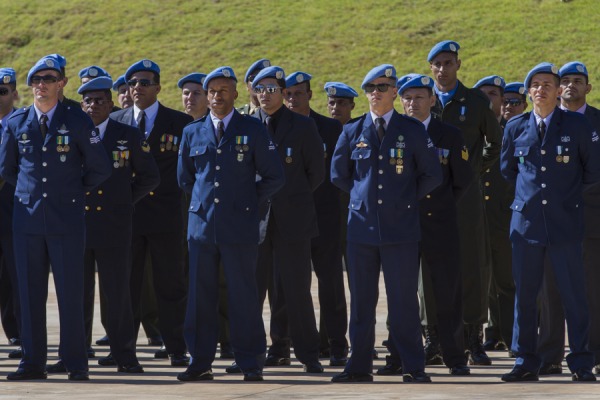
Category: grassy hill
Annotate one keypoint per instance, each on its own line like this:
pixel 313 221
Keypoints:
pixel 332 40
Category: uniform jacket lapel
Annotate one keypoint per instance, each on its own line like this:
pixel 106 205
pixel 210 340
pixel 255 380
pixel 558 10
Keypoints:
pixel 369 132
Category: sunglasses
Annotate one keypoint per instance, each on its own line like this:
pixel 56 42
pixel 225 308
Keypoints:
pixel 381 87
pixel 142 82
pixel 266 89
pixel 37 79
pixel 3 91
pixel 513 102
pixel 98 100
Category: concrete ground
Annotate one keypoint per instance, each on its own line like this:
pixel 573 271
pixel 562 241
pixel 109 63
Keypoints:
pixel 159 381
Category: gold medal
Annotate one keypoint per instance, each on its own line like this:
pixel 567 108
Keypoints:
pixel 566 159
pixel 121 162
pixel 288 160
pixel 461 118
pixel 162 147
pixel 245 147
pixel 392 161
pixel 59 149
pixel 66 148
pixel 240 157
pixel 399 161
pixel 399 169
pixel 174 147
pixel 169 145
pixel 445 161
pixel 559 158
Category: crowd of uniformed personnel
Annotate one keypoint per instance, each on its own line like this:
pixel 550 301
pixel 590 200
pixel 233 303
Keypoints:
pixel 471 207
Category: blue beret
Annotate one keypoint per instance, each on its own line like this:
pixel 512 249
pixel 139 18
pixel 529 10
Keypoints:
pixel 100 83
pixel 8 75
pixel 274 72
pixel 296 78
pixel 221 72
pixel 385 70
pixel 194 77
pixel 448 46
pixel 492 80
pixel 256 67
pixel 93 71
pixel 402 80
pixel 415 81
pixel 574 67
pixel 43 64
pixel 61 60
pixel 142 65
pixel 120 81
pixel 339 89
pixel 542 68
pixel 515 87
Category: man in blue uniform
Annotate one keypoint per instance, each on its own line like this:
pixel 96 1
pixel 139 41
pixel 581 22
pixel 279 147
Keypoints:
pixel 229 165
pixel 575 87
pixel 193 95
pixel 549 154
pixel 254 105
pixel 387 163
pixel 439 248
pixel 158 218
pixel 52 154
pixel 340 101
pixel 326 253
pixel 515 100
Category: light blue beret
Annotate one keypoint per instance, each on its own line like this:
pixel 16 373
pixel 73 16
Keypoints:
pixel 100 83
pixel 492 80
pixel 415 81
pixel 269 72
pixel 339 89
pixel 574 67
pixel 93 71
pixel 142 65
pixel 542 68
pixel 8 75
pixel 402 80
pixel 448 46
pixel 61 60
pixel 296 78
pixel 120 81
pixel 385 70
pixel 515 87
pixel 256 67
pixel 194 77
pixel 221 72
pixel 43 64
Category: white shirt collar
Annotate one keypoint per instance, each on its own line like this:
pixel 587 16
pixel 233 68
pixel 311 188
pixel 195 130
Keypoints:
pixel 150 116
pixel 386 117
pixel 546 120
pixel 427 121
pixel 102 128
pixel 49 114
pixel 225 120
pixel 580 110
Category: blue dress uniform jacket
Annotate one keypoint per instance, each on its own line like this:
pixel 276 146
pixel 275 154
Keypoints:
pixel 591 195
pixel 383 203
pixel 109 207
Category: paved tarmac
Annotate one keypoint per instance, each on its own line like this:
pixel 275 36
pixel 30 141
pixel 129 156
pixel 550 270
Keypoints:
pixel 159 381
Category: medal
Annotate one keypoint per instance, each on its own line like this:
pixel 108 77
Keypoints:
pixel 115 155
pixel 399 161
pixel 162 147
pixel 245 147
pixel 325 150
pixel 392 161
pixel 445 161
pixel 288 152
pixel 59 142
pixel 63 158
pixel 399 169
pixel 392 156
pixel 169 142
pixel 463 110
pixel 240 157
pixel 66 147
pixel 175 147
pixel 238 147
pixel 566 159
pixel 559 158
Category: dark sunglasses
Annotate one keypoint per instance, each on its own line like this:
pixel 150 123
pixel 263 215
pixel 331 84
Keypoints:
pixel 37 79
pixel 98 100
pixel 381 87
pixel 3 91
pixel 513 102
pixel 266 89
pixel 142 82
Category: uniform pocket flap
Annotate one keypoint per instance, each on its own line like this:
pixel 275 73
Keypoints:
pixel 355 204
pixel 521 151
pixel 197 150
pixel 360 154
pixel 194 206
pixel 22 198
pixel 517 205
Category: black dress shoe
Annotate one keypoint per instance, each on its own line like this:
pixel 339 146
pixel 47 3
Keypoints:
pixel 519 374
pixel 338 361
pixel 190 375
pixel 385 343
pixel 161 353
pixel 348 377
pixel 16 353
pixel 275 361
pixel 103 341
pixel 131 369
pixel 583 375
pixel 233 369
pixel 56 368
pixel 91 353
pixel 460 370
pixel 500 346
pixel 155 341
pixel 79 376
pixel 179 360
pixel 253 376
pixel 391 367
pixel 22 374
pixel 416 377
pixel 107 361
pixel 490 344
pixel 324 353
pixel 551 369
pixel 313 367
pixel 226 352
pixel 375 354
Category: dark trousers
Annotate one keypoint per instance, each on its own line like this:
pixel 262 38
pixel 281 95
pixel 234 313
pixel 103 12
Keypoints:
pixel 169 284
pixel 33 256
pixel 9 289
pixel 400 271
pixel 528 270
pixel 114 270
pixel 247 332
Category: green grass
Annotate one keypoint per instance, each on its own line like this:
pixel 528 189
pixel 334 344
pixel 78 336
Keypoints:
pixel 333 40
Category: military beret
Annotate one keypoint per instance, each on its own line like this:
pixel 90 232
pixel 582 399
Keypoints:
pixel 542 68
pixel 339 89
pixel 296 78
pixel 573 67
pixel 492 80
pixel 515 87
pixel 448 46
pixel 93 71
pixel 142 65
pixel 403 79
pixel 385 70
pixel 61 60
pixel 43 64
pixel 100 83
pixel 274 72
pixel 8 75
pixel 194 77
pixel 256 67
pixel 221 72
pixel 415 81
pixel 119 82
